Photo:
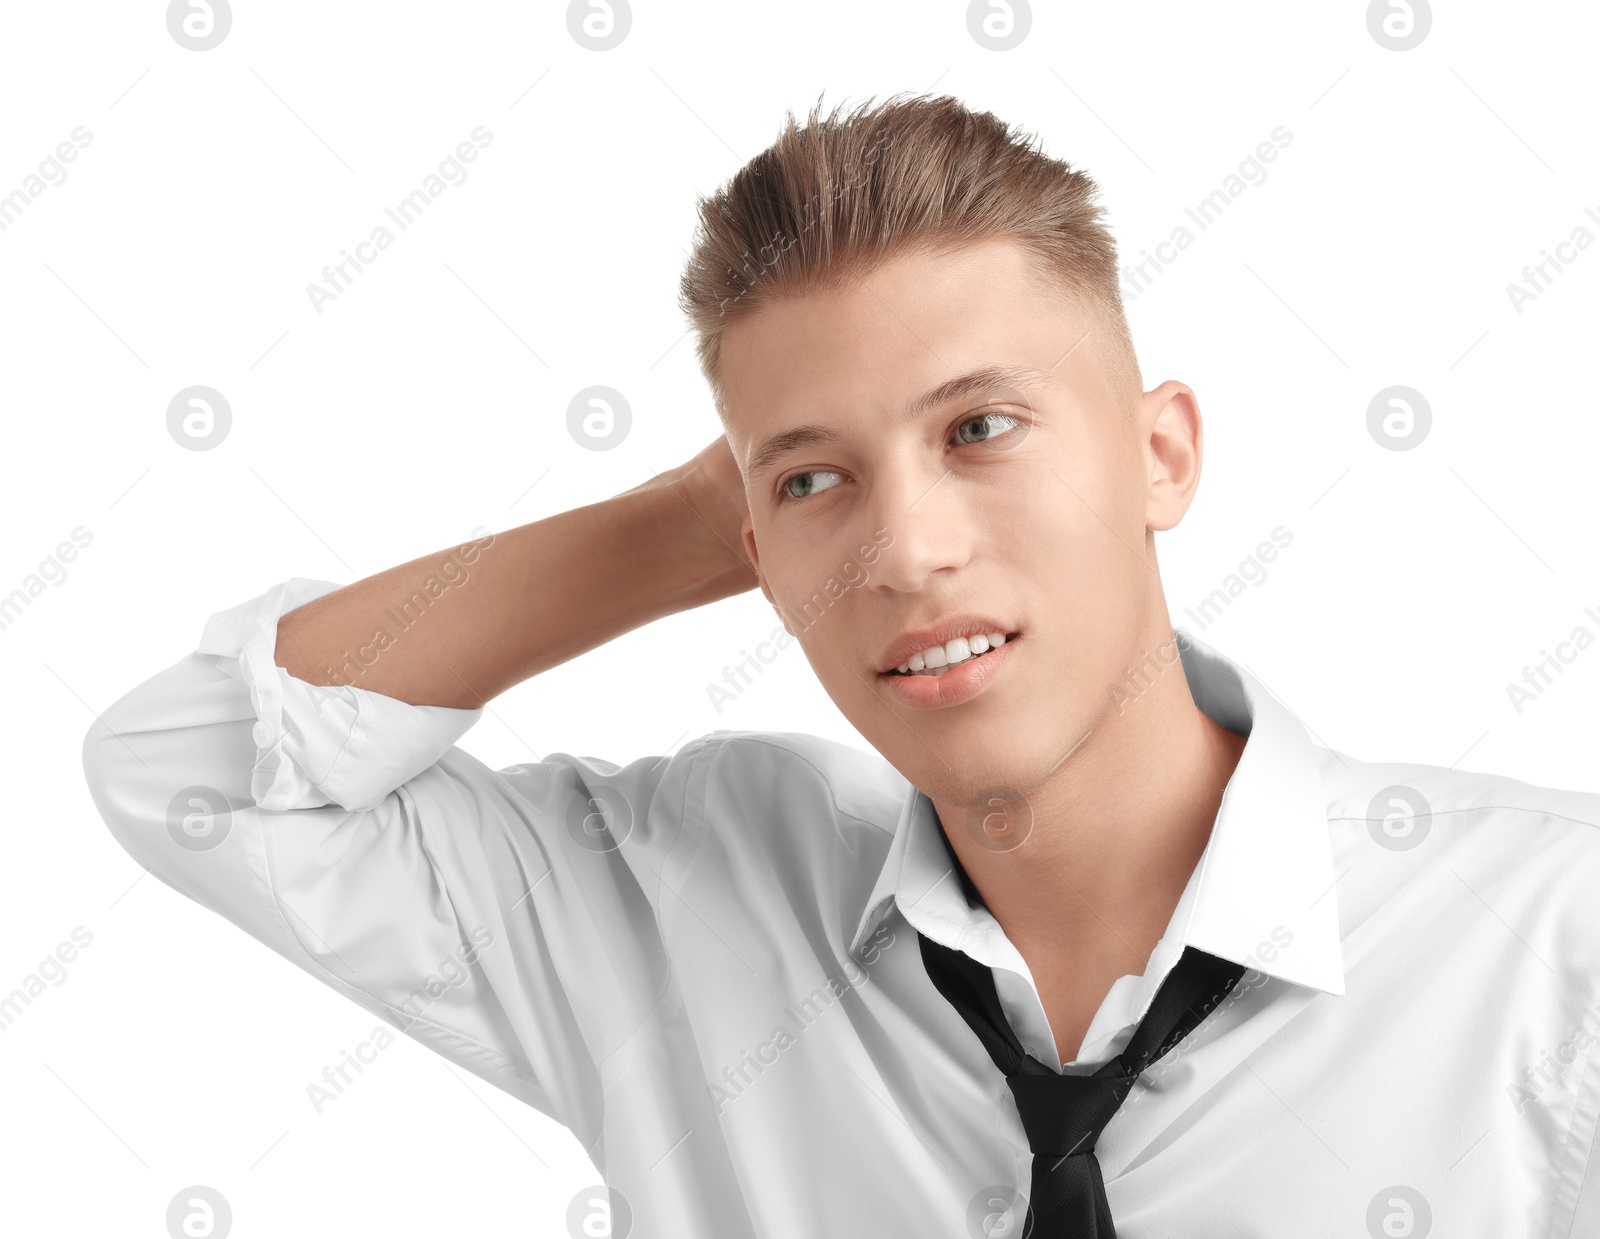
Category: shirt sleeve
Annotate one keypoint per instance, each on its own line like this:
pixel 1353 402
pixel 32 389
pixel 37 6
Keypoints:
pixel 504 918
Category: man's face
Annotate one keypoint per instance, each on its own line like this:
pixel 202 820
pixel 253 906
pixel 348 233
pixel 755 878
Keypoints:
pixel 1023 501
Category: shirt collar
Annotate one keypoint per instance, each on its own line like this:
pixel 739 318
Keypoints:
pixel 1261 894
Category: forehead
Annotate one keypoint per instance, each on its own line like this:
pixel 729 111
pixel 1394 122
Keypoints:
pixel 890 335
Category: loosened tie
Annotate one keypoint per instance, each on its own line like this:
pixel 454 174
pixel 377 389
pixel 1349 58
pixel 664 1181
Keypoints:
pixel 1064 1115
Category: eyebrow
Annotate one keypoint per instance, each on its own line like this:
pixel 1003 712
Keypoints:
pixel 983 378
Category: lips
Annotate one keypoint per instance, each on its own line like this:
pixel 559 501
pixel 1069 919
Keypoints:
pixel 963 682
pixel 989 644
pixel 916 640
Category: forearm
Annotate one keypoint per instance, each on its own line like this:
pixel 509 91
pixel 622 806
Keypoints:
pixel 460 626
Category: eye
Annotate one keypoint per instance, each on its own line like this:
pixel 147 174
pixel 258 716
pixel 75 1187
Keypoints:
pixel 786 493
pixel 983 419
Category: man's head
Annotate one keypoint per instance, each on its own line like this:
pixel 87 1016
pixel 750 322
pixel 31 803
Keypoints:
pixel 941 301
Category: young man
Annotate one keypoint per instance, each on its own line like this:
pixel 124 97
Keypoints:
pixel 1101 942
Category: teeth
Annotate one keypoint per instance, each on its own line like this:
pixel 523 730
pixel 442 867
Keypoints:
pixel 936 659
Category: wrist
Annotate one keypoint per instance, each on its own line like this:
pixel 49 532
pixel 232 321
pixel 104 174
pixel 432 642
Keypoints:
pixel 702 533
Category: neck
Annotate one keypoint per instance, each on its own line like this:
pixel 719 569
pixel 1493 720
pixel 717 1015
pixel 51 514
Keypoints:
pixel 1116 832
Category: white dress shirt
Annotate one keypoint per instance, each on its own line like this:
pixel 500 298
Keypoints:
pixel 706 966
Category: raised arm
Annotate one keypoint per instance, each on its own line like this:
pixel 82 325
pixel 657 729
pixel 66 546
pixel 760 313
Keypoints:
pixel 466 623
pixel 505 918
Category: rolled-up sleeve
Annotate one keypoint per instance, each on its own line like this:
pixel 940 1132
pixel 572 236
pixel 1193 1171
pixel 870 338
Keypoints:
pixel 504 918
pixel 319 744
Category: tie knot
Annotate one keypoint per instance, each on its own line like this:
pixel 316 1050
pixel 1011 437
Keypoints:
pixel 1064 1115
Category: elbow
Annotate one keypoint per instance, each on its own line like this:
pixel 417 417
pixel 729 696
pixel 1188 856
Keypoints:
pixel 107 770
pixel 157 785
pixel 130 777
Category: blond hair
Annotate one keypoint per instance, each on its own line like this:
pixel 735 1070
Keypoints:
pixel 828 202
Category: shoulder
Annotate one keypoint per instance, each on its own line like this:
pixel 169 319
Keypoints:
pixel 769 776
pixel 1463 850
pixel 1498 803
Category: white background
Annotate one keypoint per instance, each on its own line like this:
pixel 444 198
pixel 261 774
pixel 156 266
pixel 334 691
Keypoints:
pixel 429 398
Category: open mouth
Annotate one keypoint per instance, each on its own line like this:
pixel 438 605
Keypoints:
pixel 951 666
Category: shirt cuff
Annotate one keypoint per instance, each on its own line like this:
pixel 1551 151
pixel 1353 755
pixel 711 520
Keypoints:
pixel 319 745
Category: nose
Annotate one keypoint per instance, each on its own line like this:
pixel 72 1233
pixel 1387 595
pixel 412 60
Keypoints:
pixel 919 518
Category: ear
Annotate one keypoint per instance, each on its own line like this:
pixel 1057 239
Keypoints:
pixel 747 535
pixel 1169 418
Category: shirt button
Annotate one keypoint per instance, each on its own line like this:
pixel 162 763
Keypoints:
pixel 261 734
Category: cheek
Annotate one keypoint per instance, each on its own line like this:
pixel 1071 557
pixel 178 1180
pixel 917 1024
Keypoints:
pixel 809 591
pixel 1084 515
pixel 1090 583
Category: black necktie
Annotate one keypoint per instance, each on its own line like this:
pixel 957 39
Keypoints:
pixel 1064 1115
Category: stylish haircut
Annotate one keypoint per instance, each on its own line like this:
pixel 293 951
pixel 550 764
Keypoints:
pixel 828 202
